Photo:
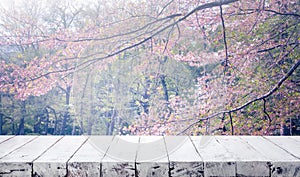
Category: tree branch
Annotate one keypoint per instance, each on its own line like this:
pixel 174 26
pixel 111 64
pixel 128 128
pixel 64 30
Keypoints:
pixel 231 123
pixel 201 7
pixel 262 97
pixel 153 33
pixel 279 13
pixel 265 111
pixel 224 39
pixel 277 46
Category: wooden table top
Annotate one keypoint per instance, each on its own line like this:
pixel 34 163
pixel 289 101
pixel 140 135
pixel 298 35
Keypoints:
pixel 149 156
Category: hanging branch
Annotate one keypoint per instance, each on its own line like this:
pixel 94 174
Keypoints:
pixel 226 59
pixel 225 40
pixel 266 95
pixel 265 111
pixel 231 124
pixel 85 64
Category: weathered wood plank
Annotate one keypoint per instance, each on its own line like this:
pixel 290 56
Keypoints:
pixel 120 157
pixel 152 158
pixel 287 143
pixel 249 162
pixel 282 163
pixel 86 161
pixel 5 138
pixel 14 143
pixel 217 160
pixel 54 161
pixel 149 156
pixel 19 162
pixel 184 158
pixel 295 137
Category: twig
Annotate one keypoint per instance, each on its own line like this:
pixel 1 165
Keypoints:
pixel 224 39
pixel 284 14
pixel 266 95
pixel 265 111
pixel 201 7
pixel 231 124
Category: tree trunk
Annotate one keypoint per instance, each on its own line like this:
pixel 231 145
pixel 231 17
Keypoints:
pixel 146 96
pixel 67 113
pixel 53 130
pixel 12 126
pixel 37 124
pixel 110 125
pixel 91 117
pixel 81 118
pixel 90 127
pixel 166 94
pixel 1 114
pixel 82 104
pixel 1 122
pixel 112 122
pixel 56 130
pixel 164 85
pixel 46 112
pixel 22 121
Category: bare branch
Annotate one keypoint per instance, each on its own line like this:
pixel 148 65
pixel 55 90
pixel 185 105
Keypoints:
pixel 231 124
pixel 266 95
pixel 224 39
pixel 162 10
pixel 265 110
pixel 277 46
pixel 284 14
pixel 123 34
pixel 201 7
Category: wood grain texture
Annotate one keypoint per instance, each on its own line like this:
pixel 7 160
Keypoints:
pixel 5 138
pixel 183 163
pixel 287 162
pixel 145 156
pixel 282 163
pixel 152 157
pixel 289 144
pixel 19 162
pixel 86 161
pixel 54 161
pixel 13 144
pixel 249 162
pixel 217 160
pixel 120 157
pixel 297 138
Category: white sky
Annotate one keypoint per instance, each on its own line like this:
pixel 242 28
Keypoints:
pixel 7 3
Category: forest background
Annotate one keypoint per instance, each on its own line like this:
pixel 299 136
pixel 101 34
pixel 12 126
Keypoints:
pixel 150 67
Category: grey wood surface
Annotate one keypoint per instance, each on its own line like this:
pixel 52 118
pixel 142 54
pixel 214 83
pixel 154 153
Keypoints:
pixel 54 161
pixel 182 163
pixel 5 138
pixel 12 144
pixel 19 161
pixel 217 160
pixel 120 157
pixel 140 156
pixel 249 162
pixel 86 161
pixel 291 145
pixel 282 163
pixel 152 157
